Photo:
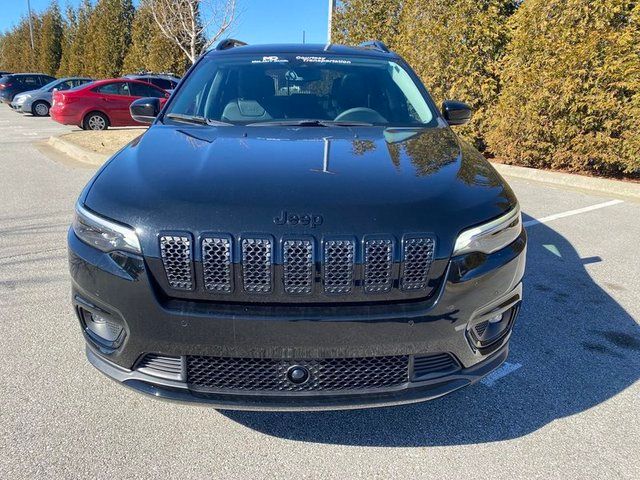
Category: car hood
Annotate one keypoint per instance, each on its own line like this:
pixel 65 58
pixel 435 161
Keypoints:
pixel 240 179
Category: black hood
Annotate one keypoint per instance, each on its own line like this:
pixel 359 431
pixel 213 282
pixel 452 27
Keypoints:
pixel 350 181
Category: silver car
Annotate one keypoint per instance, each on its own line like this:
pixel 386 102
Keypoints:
pixel 38 102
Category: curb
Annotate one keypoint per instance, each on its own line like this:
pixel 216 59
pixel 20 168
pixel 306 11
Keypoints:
pixel 605 186
pixel 76 152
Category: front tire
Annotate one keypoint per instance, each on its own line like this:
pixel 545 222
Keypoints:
pixel 95 121
pixel 40 109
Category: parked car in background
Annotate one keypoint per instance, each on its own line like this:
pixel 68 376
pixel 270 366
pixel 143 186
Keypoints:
pixel 15 83
pixel 102 104
pixel 3 73
pixel 166 81
pixel 38 102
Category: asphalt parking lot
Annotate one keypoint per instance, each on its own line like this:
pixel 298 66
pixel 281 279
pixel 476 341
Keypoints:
pixel 566 405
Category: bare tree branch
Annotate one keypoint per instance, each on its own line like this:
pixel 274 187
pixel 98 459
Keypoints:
pixel 194 25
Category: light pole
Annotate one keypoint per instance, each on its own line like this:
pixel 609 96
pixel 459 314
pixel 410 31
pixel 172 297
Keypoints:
pixel 332 6
pixel 30 23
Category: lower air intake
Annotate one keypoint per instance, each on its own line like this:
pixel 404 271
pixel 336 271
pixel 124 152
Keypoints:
pixel 434 365
pixel 272 375
pixel 164 366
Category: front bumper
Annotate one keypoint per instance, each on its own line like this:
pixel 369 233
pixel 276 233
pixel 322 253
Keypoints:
pixel 476 286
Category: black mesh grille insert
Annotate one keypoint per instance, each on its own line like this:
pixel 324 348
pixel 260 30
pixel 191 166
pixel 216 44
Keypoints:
pixel 298 266
pixel 176 258
pixel 328 374
pixel 256 265
pixel 338 266
pixel 378 257
pixel 434 365
pixel 216 264
pixel 418 256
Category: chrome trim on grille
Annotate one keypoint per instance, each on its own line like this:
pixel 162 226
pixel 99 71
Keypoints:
pixel 257 265
pixel 298 257
pixel 378 258
pixel 216 264
pixel 339 259
pixel 417 256
pixel 176 255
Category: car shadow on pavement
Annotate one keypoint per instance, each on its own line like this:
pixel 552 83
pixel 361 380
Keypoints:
pixel 576 345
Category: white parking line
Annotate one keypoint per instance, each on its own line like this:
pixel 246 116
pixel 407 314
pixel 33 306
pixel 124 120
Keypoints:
pixel 578 211
pixel 505 369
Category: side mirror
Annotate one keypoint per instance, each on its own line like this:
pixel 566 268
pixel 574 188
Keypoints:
pixel 145 110
pixel 455 112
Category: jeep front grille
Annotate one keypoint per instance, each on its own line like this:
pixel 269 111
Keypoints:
pixel 339 260
pixel 176 257
pixel 216 264
pixel 418 255
pixel 378 258
pixel 270 375
pixel 298 266
pixel 376 268
pixel 256 265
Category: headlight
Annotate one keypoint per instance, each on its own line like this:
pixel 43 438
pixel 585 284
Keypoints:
pixel 20 99
pixel 491 236
pixel 104 234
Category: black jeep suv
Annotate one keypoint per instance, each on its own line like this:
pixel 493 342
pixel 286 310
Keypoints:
pixel 299 228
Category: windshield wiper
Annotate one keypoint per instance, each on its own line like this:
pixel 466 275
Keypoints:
pixel 180 117
pixel 310 123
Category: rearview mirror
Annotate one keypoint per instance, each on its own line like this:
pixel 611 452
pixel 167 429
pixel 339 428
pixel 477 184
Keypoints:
pixel 145 110
pixel 455 112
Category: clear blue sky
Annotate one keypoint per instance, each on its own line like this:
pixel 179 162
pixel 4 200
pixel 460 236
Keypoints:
pixel 261 21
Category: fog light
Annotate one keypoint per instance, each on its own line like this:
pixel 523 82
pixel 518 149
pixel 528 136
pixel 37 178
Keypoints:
pixel 103 329
pixel 493 329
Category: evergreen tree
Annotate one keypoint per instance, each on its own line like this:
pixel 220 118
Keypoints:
pixel 49 47
pixel 108 37
pixel 356 21
pixel 455 47
pixel 150 50
pixel 75 47
pixel 17 54
pixel 571 87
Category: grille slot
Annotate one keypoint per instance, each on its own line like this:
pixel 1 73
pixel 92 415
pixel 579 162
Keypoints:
pixel 378 264
pixel 298 266
pixel 164 366
pixel 338 266
pixel 176 258
pixel 418 256
pixel 257 269
pixel 216 264
pixel 328 374
pixel 481 327
pixel 434 365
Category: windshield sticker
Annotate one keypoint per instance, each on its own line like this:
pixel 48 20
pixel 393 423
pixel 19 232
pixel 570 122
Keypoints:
pixel 271 59
pixel 322 60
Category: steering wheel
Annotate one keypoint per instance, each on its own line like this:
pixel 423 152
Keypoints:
pixel 360 114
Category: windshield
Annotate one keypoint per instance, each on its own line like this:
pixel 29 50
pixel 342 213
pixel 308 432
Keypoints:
pixel 247 90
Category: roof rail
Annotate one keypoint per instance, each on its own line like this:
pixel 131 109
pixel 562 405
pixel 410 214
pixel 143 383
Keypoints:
pixel 375 45
pixel 228 43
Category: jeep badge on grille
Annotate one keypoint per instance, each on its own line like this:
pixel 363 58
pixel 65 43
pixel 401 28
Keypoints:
pixel 306 219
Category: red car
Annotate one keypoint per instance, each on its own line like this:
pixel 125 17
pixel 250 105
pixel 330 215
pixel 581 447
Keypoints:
pixel 102 104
